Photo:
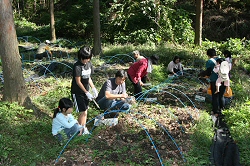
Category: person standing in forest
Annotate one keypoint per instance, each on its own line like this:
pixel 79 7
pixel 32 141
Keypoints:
pixel 218 101
pixel 81 81
pixel 222 77
pixel 228 57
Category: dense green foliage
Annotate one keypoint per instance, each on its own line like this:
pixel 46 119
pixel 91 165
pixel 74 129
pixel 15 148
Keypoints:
pixel 136 21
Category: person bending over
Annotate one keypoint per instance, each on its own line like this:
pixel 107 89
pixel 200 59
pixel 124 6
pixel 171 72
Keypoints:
pixel 43 51
pixel 139 70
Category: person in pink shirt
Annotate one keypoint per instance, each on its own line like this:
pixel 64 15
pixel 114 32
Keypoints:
pixel 138 70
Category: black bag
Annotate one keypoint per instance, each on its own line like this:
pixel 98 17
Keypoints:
pixel 224 151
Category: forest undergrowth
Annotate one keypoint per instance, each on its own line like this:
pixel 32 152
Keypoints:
pixel 174 129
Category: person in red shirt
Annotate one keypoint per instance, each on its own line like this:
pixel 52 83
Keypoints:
pixel 138 70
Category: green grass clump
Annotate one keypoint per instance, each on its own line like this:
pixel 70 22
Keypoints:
pixel 24 138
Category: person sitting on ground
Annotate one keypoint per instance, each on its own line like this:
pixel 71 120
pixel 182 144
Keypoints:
pixel 64 124
pixel 139 70
pixel 175 66
pixel 221 80
pixel 113 93
pixel 43 51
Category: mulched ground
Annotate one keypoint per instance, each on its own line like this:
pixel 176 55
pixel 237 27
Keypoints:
pixel 153 133
pixel 130 139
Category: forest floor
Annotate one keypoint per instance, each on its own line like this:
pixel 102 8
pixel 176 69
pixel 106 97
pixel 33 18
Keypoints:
pixel 152 133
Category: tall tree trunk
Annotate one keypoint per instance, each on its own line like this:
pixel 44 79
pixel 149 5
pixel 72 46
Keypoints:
pixel 219 4
pixel 44 4
pixel 34 6
pixel 158 14
pixel 18 8
pixel 198 23
pixel 52 22
pixel 22 6
pixel 97 38
pixel 14 85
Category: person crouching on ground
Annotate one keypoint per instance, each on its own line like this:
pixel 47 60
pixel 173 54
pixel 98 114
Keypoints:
pixel 113 93
pixel 43 51
pixel 64 124
pixel 175 66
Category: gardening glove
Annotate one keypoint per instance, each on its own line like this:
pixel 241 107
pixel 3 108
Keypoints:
pixel 95 92
pixel 89 95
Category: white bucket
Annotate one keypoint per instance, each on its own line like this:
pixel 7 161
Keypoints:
pixel 200 98
pixel 108 122
pixel 152 99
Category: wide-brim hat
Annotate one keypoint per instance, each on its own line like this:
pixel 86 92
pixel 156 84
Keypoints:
pixel 154 59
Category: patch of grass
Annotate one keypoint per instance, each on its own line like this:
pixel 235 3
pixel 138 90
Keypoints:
pixel 201 140
pixel 24 138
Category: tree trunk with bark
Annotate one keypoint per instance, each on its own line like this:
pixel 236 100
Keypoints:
pixel 198 23
pixel 14 85
pixel 97 38
pixel 34 6
pixel 52 22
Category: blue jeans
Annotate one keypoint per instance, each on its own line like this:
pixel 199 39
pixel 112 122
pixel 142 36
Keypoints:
pixel 105 104
pixel 108 105
pixel 178 72
pixel 67 133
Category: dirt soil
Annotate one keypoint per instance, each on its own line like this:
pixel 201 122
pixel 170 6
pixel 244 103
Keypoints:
pixel 153 133
pixel 118 143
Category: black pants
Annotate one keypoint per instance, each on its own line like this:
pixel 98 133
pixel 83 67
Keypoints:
pixel 218 100
pixel 144 79
pixel 175 71
pixel 137 88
